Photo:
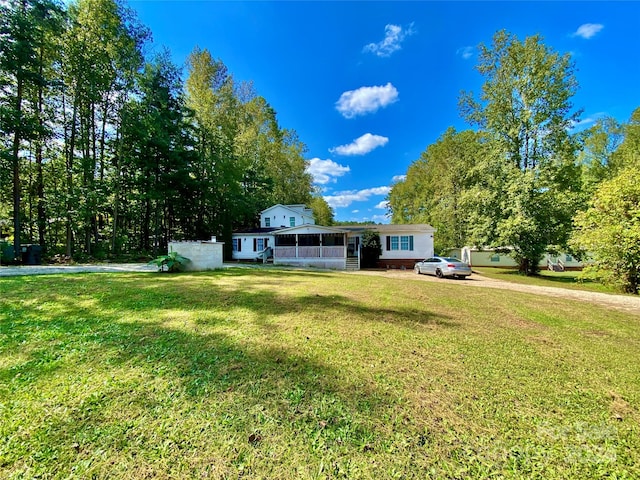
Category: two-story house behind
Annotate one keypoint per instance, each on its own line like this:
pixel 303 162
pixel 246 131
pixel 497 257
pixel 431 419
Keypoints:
pixel 250 244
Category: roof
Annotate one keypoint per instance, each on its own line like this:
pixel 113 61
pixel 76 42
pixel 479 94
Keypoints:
pixel 309 229
pixel 299 209
pixel 390 228
pixel 256 231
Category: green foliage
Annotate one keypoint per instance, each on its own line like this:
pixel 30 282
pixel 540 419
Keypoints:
pixel 322 211
pixel 610 230
pixel 144 156
pixel 436 188
pixel 371 248
pixel 171 262
pixel 525 108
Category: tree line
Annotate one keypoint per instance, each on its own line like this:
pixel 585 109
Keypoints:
pixel 525 178
pixel 105 152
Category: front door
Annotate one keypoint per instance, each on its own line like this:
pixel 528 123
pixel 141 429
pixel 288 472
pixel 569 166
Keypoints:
pixel 353 247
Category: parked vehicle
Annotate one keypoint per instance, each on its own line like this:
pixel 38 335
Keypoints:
pixel 443 267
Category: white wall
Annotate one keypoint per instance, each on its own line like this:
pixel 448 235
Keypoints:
pixel 422 246
pixel 247 252
pixel 204 255
pixel 280 217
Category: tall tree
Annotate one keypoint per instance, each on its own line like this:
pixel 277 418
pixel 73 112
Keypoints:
pixel 436 187
pixel 322 212
pixel 525 105
pixel 23 31
pixel 610 230
pixel 102 54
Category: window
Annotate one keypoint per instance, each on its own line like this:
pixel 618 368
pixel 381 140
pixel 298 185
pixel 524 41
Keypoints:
pixel 333 239
pixel 267 222
pixel 237 244
pixel 495 258
pixel 403 242
pixel 258 244
pixel 292 221
pixel 568 258
pixel 285 240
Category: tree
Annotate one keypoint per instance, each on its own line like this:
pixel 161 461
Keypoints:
pixel 436 186
pixel 598 154
pixel 322 211
pixel 23 32
pixel 525 108
pixel 610 230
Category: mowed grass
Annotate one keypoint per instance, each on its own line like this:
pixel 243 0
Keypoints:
pixel 291 374
pixel 569 279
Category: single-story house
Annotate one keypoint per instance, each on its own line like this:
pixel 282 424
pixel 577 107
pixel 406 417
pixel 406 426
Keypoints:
pixel 498 257
pixel 289 233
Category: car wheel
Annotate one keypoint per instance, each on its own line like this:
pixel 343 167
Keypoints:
pixel 439 273
pixel 416 269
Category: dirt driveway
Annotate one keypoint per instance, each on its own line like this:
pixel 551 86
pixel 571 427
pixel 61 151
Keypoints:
pixel 624 303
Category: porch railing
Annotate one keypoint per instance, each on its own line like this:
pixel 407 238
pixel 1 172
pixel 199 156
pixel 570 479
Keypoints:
pixel 309 252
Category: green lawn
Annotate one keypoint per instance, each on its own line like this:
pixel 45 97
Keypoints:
pixel 546 278
pixel 291 374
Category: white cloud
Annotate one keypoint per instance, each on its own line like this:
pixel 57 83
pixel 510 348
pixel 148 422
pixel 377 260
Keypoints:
pixel 588 30
pixel 346 198
pixel 394 35
pixel 588 121
pixel 398 178
pixel 361 145
pixel 465 52
pixel 380 218
pixel 355 211
pixel 325 171
pixel 366 100
pixel 383 205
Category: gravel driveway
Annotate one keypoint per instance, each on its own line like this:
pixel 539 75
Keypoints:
pixel 626 303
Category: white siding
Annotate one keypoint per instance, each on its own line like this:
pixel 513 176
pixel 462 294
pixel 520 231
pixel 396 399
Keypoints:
pixel 280 217
pixel 247 252
pixel 422 246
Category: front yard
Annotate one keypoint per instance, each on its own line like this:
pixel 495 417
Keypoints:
pixel 294 374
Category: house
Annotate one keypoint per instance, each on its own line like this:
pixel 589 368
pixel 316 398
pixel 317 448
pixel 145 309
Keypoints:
pixel 490 257
pixel 290 234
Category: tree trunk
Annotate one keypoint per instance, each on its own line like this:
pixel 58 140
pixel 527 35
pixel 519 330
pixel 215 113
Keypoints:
pixel 17 190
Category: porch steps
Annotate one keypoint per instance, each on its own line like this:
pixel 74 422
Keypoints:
pixel 352 263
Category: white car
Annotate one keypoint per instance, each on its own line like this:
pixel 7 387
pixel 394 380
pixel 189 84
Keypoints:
pixel 443 267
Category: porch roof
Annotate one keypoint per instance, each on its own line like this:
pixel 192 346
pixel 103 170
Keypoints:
pixel 309 229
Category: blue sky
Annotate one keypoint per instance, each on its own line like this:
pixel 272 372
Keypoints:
pixel 369 85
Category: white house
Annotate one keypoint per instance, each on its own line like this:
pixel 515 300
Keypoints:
pixel 289 233
pixel 488 257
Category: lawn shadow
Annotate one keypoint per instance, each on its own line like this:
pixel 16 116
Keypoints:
pixel 92 332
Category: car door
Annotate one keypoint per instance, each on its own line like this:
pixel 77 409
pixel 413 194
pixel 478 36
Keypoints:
pixel 429 266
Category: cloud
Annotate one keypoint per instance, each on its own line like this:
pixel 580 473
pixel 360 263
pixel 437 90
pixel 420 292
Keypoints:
pixel 465 52
pixel 394 35
pixel 590 120
pixel 588 30
pixel 325 171
pixel 361 145
pixel 398 178
pixel 380 218
pixel 383 205
pixel 355 211
pixel 366 100
pixel 346 198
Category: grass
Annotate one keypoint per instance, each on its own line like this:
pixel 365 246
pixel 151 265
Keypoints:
pixel 546 278
pixel 292 374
